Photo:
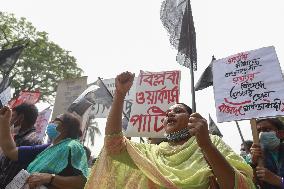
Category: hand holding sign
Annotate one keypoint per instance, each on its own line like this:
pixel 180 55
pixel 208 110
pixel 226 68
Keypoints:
pixel 256 153
pixel 38 179
pixel 198 127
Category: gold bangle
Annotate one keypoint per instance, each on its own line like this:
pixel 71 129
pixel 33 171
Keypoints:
pixel 114 134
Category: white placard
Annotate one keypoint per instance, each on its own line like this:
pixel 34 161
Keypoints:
pixel 67 91
pixel 248 85
pixel 155 93
pixel 5 96
pixel 19 181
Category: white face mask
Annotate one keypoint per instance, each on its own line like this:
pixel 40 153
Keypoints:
pixel 269 140
pixel 243 153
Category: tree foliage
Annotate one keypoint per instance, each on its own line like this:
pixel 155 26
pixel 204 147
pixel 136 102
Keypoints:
pixel 42 64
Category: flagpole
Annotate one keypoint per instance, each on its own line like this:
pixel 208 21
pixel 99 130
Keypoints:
pixel 193 106
pixel 240 132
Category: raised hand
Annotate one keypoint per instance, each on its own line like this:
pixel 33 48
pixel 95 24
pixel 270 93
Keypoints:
pixel 5 116
pixel 198 127
pixel 123 82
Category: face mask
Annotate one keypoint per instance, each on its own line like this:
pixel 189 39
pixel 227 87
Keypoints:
pixel 248 158
pixel 269 140
pixel 243 153
pixel 51 131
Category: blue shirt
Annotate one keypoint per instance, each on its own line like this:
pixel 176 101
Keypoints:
pixel 8 168
pixel 26 154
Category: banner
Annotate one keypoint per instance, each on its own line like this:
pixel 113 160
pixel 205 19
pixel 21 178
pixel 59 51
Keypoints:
pixel 248 85
pixel 31 97
pixel 67 91
pixel 42 121
pixel 101 111
pixel 155 93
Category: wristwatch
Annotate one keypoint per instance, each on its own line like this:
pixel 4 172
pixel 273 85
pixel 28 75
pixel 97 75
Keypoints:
pixel 51 179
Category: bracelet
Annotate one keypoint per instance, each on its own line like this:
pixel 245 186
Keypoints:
pixel 51 179
pixel 114 135
pixel 282 183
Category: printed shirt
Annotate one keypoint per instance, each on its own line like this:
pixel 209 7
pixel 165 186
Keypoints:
pixel 274 163
pixel 9 168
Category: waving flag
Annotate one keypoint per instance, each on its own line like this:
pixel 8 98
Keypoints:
pixel 176 16
pixel 96 93
pixel 213 129
pixel 206 79
pixel 9 57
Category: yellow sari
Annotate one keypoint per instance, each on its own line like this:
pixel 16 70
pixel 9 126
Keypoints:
pixel 128 165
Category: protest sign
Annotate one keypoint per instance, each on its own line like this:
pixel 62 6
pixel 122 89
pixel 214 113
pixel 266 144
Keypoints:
pixel 31 97
pixel 155 93
pixel 42 121
pixel 248 85
pixel 5 97
pixel 67 91
pixel 20 181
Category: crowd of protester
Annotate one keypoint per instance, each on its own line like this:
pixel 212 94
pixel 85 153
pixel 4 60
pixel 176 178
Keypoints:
pixel 62 163
pixel 188 156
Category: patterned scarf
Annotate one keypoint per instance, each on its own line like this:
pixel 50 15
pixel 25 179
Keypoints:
pixel 146 166
pixel 55 158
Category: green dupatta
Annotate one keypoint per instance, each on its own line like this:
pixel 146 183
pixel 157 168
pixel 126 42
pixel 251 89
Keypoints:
pixel 146 166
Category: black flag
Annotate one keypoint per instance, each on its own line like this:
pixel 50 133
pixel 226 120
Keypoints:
pixel 6 81
pixel 9 57
pixel 206 79
pixel 96 93
pixel 213 129
pixel 176 16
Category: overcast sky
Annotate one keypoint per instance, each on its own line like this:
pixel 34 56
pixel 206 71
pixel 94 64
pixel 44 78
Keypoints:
pixel 108 37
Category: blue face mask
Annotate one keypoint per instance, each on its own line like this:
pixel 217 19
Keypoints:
pixel 51 131
pixel 269 140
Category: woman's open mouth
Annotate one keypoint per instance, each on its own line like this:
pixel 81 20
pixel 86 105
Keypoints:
pixel 171 121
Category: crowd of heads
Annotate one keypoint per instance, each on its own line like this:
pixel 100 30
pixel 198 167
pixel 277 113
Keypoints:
pixel 67 125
